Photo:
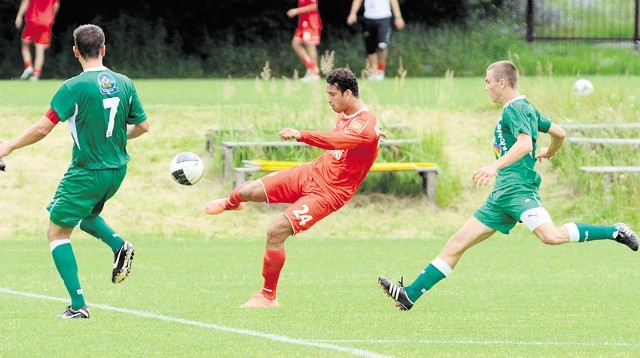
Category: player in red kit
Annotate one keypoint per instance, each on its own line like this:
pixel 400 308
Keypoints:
pixel 39 16
pixel 315 189
pixel 307 37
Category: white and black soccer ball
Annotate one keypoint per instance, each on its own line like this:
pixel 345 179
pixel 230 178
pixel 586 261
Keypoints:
pixel 186 168
pixel 582 87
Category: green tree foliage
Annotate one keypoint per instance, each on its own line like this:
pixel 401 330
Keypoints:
pixel 210 38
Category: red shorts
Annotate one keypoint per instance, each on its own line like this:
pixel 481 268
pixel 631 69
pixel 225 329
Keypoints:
pixel 308 35
pixel 38 34
pixel 310 202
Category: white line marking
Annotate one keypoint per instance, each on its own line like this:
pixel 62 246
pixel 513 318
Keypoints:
pixel 472 342
pixel 245 332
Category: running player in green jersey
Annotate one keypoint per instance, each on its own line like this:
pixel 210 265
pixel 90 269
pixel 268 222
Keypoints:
pixel 103 111
pixel 515 194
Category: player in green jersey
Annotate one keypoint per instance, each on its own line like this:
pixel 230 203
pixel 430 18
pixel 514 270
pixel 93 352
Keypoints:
pixel 103 111
pixel 515 195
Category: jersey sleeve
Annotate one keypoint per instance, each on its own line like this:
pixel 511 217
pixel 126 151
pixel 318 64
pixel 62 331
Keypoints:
pixel 359 131
pixel 62 103
pixel 518 121
pixel 544 123
pixel 137 114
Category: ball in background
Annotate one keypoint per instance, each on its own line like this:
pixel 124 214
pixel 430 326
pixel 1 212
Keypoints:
pixel 186 168
pixel 582 87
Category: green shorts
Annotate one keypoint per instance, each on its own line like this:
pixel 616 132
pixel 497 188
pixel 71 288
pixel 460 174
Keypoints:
pixel 82 193
pixel 503 213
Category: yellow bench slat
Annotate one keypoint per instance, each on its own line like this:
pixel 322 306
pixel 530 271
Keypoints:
pixel 273 165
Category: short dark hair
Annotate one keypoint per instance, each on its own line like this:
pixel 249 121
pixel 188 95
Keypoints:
pixel 344 80
pixel 88 39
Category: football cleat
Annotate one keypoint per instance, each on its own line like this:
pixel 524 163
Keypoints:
pixel 217 206
pixel 310 77
pixel 26 73
pixel 258 300
pixel 626 236
pixel 122 262
pixel 397 292
pixel 82 312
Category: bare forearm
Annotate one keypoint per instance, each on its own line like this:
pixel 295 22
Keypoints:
pixel 135 131
pixel 355 7
pixel 395 9
pixel 518 151
pixel 32 135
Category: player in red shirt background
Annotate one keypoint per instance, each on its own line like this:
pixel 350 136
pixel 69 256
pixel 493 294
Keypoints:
pixel 307 37
pixel 39 16
pixel 315 189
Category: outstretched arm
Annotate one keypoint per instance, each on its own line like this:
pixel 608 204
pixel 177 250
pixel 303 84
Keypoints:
pixel 299 10
pixel 326 139
pixel 558 135
pixel 36 132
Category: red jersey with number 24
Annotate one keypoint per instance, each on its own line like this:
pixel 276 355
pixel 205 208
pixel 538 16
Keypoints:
pixel 352 147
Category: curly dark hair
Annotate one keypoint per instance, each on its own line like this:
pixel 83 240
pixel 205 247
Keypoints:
pixel 344 80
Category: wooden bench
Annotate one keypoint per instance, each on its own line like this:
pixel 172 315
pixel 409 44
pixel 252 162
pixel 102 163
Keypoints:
pixel 601 126
pixel 228 149
pixel 610 171
pixel 618 141
pixel 428 171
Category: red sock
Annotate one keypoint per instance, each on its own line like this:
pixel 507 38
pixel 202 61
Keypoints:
pixel 381 66
pixel 271 266
pixel 234 198
pixel 27 64
pixel 36 73
pixel 310 64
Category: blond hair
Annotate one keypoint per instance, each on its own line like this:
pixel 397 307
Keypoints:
pixel 505 70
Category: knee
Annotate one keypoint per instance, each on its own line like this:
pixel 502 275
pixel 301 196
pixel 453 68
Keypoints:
pixel 455 246
pixel 251 191
pixel 277 233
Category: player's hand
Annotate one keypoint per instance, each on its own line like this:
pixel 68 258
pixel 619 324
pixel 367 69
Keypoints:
pixel 543 153
pixel 4 149
pixel 292 12
pixel 351 19
pixel 18 22
pixel 399 22
pixel 289 133
pixel 482 176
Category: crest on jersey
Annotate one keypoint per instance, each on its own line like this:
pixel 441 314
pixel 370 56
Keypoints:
pixel 107 83
pixel 357 125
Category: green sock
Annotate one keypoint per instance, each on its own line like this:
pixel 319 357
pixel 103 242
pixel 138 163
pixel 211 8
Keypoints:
pixel 99 229
pixel 67 267
pixel 579 232
pixel 432 274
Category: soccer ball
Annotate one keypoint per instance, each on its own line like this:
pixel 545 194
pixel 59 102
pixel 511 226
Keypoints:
pixel 582 87
pixel 186 168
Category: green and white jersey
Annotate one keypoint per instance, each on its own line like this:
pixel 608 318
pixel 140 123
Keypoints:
pixel 98 104
pixel 518 116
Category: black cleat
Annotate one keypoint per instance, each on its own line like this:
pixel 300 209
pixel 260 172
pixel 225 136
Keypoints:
pixel 82 312
pixel 122 262
pixel 626 236
pixel 397 292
